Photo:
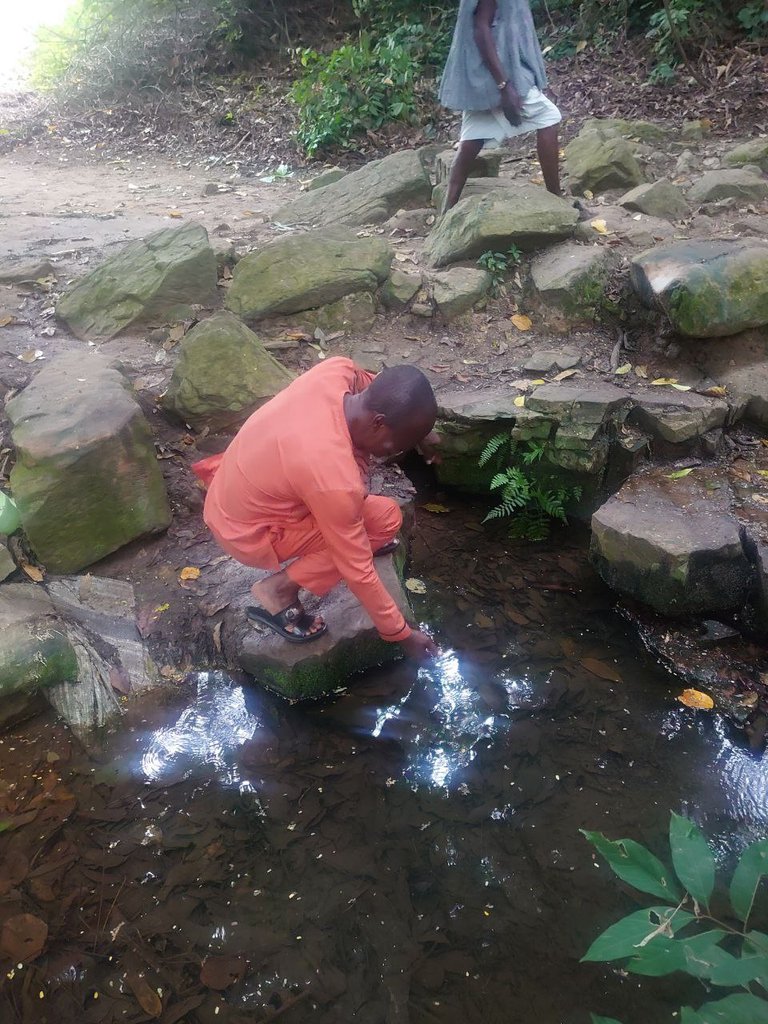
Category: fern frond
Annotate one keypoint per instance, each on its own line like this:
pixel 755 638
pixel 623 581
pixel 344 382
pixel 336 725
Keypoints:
pixel 493 447
pixel 506 508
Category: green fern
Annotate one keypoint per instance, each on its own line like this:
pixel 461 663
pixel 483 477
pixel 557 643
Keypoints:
pixel 493 447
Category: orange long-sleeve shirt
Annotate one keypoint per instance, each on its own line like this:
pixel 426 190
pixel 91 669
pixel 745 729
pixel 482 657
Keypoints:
pixel 294 457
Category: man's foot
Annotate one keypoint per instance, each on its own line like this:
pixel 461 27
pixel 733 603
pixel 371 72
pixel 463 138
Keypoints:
pixel 275 595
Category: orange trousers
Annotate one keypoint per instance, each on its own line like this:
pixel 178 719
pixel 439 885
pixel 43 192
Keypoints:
pixel 314 568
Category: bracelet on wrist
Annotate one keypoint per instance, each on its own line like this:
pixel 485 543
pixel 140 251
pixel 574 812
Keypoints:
pixel 503 85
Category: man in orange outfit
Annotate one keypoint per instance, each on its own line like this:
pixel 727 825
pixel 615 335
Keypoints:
pixel 292 486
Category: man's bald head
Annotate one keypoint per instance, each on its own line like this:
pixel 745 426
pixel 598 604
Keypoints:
pixel 401 394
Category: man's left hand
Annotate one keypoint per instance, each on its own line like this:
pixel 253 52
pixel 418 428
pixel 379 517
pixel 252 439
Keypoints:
pixel 428 448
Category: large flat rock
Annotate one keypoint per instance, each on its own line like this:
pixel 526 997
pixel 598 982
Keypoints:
pixel 222 374
pixel 676 417
pixel 368 196
pixel 522 215
pixel 707 289
pixel 304 271
pixel 154 279
pixel 86 480
pixel 673 543
pixel 569 280
pixel 739 184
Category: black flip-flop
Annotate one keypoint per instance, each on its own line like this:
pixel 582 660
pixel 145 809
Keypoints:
pixel 387 549
pixel 294 615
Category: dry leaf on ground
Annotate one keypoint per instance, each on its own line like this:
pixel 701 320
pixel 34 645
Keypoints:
pixel 433 506
pixel 34 572
pixel 189 572
pixel 600 669
pixel 519 401
pixel 219 972
pixel 522 322
pixel 416 586
pixel 696 699
pixel 600 226
pixel 23 937
pixel 146 997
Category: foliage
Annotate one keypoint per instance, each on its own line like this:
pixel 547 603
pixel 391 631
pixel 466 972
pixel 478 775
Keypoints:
pixel 532 501
pixel 356 88
pixel 498 264
pixel 682 934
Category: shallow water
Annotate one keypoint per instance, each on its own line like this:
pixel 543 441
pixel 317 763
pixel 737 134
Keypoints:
pixel 408 852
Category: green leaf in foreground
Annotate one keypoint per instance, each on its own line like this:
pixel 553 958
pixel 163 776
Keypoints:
pixel 738 1009
pixel 662 956
pixel 636 866
pixel 746 878
pixel 603 1020
pixel 692 858
pixel 627 936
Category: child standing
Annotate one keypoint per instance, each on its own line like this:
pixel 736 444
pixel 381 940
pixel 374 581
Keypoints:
pixel 495 75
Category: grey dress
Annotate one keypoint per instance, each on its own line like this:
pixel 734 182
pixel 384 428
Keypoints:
pixel 467 84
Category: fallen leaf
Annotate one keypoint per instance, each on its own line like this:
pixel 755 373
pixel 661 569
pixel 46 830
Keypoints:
pixel 599 226
pixel 679 473
pixel 588 193
pixel 433 506
pixel 519 402
pixel 762 472
pixel 189 572
pixel 23 937
pixel 564 375
pixel 162 608
pixel 665 380
pixel 483 621
pixel 176 214
pixel 718 391
pixel 522 322
pixel 146 997
pixel 33 571
pixel 681 387
pixel 622 370
pixel 31 355
pixel 5 320
pixel 581 45
pixel 217 636
pixel 600 669
pixel 416 586
pixel 696 699
pixel 642 372
pixel 219 972
pixel 537 383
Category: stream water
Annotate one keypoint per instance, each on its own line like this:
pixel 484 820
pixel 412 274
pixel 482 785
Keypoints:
pixel 408 852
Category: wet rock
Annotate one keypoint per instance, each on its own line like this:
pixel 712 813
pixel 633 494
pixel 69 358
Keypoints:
pixel 155 279
pixel 34 649
pixel 328 177
pixel 485 165
pixel 677 417
pixel 466 422
pixel 351 645
pixel 707 289
pixel 526 216
pixel 301 272
pixel 459 289
pixel 222 374
pixel 571 279
pixel 755 151
pixel 400 288
pixel 86 479
pixel 367 196
pixel 547 361
pixel 673 544
pixel 598 159
pixel 21 271
pixel 740 185
pixel 657 199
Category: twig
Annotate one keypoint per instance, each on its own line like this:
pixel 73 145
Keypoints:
pixel 681 49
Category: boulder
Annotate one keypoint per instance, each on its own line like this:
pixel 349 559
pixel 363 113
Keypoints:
pixel 352 313
pixel 222 374
pixel 546 361
pixel 367 196
pixel 485 165
pixel 657 199
pixel 400 288
pixel 641 131
pixel 521 215
pixel 474 187
pixel 459 289
pixel 708 289
pixel 86 479
pixel 599 159
pixel 753 152
pixel 153 280
pixel 410 222
pixel 328 177
pixel 571 278
pixel 300 272
pixel 677 417
pixel 695 131
pixel 741 366
pixel 672 544
pixel 741 185
pixel 23 271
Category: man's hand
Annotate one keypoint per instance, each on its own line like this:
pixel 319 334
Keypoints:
pixel 420 646
pixel 428 448
pixel 512 105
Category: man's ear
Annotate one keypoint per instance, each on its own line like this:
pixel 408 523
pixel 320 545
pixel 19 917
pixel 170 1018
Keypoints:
pixel 379 420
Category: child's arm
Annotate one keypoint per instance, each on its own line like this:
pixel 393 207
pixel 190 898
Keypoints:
pixel 510 101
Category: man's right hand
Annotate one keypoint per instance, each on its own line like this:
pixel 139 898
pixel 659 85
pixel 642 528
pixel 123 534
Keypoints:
pixel 419 646
pixel 512 105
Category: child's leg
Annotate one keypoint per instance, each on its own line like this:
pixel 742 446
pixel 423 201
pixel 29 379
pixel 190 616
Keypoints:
pixel 548 148
pixel 467 154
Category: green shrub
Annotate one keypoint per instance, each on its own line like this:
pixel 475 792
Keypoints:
pixel 679 933
pixel 498 264
pixel 356 88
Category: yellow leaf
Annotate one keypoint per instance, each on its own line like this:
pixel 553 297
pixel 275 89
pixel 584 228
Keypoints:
pixel 34 572
pixel 588 193
pixel 519 401
pixel 600 226
pixel 715 392
pixel 764 442
pixel 522 322
pixel 31 355
pixel 681 387
pixel 162 608
pixel 679 474
pixel 581 45
pixel 416 586
pixel 665 380
pixel 433 506
pixel 536 383
pixel 189 572
pixel 624 369
pixel 696 699
pixel 564 375
pixel 176 214
pixel 5 320
pixel 642 372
